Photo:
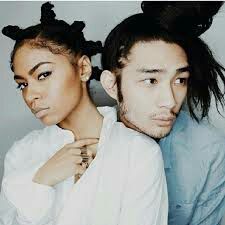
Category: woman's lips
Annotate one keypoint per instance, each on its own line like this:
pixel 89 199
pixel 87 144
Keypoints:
pixel 40 112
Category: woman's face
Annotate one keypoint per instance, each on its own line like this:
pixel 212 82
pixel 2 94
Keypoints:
pixel 49 83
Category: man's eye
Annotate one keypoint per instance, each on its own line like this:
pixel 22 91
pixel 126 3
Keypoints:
pixel 42 76
pixel 182 81
pixel 21 86
pixel 150 81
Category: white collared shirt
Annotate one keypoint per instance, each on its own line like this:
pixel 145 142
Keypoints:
pixel 24 202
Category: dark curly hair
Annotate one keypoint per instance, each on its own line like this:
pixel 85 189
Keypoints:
pixel 173 22
pixel 56 35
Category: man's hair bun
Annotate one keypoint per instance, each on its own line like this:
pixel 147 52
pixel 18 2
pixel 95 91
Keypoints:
pixel 189 18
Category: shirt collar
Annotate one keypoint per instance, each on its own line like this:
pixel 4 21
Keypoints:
pixel 167 142
pixel 109 117
pixel 109 113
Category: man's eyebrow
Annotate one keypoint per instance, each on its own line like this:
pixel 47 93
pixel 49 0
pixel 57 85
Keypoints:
pixel 153 71
pixel 146 70
pixel 183 69
pixel 18 77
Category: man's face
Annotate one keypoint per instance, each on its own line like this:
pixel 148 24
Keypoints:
pixel 153 87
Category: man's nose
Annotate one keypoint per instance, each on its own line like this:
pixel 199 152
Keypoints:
pixel 166 98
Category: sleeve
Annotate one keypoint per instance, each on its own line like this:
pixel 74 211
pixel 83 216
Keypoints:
pixel 210 207
pixel 23 201
pixel 7 211
pixel 145 200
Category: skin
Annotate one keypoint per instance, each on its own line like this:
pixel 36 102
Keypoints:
pixel 153 86
pixel 54 89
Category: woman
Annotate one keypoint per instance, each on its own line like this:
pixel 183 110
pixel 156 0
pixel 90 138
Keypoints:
pixel 51 65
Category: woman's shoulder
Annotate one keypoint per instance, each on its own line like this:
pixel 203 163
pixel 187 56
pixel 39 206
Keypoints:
pixel 142 152
pixel 145 149
pixel 27 147
pixel 32 137
pixel 137 142
pixel 27 140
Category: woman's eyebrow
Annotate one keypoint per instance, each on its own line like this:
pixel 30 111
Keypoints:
pixel 18 77
pixel 36 66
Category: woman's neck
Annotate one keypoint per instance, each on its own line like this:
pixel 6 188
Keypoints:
pixel 84 121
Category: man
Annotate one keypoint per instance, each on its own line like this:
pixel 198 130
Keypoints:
pixel 152 63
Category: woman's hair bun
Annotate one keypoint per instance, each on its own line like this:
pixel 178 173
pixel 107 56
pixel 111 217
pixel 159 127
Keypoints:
pixel 93 47
pixel 189 18
pixel 77 26
pixel 13 32
pixel 47 14
pixel 96 73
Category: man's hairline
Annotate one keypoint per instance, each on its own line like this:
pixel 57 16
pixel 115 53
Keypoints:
pixel 117 71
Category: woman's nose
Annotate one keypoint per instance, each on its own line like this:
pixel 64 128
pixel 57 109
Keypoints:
pixel 33 93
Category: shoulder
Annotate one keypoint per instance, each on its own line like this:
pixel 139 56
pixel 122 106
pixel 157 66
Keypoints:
pixel 198 138
pixel 27 141
pixel 28 147
pixel 146 152
pixel 128 135
pixel 202 133
pixel 141 148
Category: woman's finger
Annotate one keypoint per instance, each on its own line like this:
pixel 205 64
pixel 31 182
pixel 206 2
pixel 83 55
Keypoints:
pixel 83 142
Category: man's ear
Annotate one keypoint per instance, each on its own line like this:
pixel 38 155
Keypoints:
pixel 85 68
pixel 108 81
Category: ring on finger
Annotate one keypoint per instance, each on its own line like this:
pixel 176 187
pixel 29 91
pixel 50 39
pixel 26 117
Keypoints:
pixel 83 151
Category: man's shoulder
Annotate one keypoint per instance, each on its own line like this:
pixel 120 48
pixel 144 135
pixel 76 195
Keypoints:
pixel 202 131
pixel 196 138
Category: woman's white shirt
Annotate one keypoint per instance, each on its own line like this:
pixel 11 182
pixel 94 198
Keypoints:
pixel 133 174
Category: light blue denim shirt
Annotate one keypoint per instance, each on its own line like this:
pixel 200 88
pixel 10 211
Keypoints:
pixel 194 161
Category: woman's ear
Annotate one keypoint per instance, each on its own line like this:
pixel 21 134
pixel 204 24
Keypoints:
pixel 85 67
pixel 108 81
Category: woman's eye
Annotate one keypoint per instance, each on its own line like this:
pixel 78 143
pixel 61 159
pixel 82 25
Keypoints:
pixel 21 86
pixel 150 81
pixel 42 76
pixel 182 81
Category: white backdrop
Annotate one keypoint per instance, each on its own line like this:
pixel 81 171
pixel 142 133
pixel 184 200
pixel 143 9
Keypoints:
pixel 100 18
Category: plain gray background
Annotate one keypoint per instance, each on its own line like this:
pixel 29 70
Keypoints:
pixel 100 18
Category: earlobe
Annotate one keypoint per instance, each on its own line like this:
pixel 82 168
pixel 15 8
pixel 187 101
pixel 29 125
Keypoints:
pixel 84 64
pixel 108 81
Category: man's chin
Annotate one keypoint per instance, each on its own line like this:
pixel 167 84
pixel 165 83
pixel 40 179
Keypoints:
pixel 152 130
pixel 158 132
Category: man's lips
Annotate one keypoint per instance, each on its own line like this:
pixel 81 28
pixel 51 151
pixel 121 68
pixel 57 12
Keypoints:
pixel 164 120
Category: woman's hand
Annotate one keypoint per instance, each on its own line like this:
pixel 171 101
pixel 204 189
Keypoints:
pixel 67 162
